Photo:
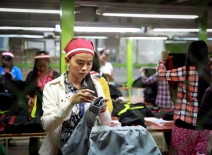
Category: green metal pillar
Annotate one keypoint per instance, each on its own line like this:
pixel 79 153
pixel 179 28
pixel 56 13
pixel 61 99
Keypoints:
pixel 137 52
pixel 26 50
pixel 202 21
pixel 129 63
pixel 67 28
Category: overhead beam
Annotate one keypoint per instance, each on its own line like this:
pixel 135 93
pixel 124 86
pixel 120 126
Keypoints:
pixel 160 23
pixel 31 5
pixel 134 5
pixel 29 23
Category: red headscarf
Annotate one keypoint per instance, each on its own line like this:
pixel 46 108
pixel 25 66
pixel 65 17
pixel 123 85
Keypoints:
pixel 78 45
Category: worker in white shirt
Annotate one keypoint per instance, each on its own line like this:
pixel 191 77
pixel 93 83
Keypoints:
pixel 106 67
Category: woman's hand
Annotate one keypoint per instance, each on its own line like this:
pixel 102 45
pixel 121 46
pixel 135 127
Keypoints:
pixel 165 55
pixel 104 108
pixel 142 71
pixel 31 102
pixel 84 95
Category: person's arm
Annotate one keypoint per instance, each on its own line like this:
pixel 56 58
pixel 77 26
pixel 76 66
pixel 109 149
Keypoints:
pixel 172 75
pixel 18 74
pixel 110 73
pixel 53 112
pixel 111 78
pixel 149 80
pixel 204 117
pixel 108 77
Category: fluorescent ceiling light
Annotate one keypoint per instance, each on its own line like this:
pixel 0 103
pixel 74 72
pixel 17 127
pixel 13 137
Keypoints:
pixel 185 38
pixel 20 36
pixel 92 37
pixel 175 30
pixel 151 15
pixel 87 37
pixel 146 38
pixel 178 30
pixel 30 10
pixel 27 28
pixel 76 29
pixel 190 38
pixel 105 29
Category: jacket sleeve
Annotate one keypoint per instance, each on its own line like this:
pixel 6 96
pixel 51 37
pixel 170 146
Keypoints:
pixel 204 118
pixel 54 113
pixel 177 74
pixel 150 80
pixel 18 74
pixel 105 117
pixel 106 90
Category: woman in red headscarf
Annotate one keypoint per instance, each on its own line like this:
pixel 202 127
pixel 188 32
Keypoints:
pixel 35 82
pixel 38 78
pixel 69 96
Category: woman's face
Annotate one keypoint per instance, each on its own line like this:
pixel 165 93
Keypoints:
pixel 7 61
pixel 103 58
pixel 79 65
pixel 42 66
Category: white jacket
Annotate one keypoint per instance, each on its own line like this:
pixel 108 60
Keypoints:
pixel 57 109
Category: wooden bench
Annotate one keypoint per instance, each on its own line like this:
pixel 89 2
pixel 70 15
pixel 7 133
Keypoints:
pixel 16 135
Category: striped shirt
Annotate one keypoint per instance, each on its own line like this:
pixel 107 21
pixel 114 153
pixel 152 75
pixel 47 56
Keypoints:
pixel 163 98
pixel 186 106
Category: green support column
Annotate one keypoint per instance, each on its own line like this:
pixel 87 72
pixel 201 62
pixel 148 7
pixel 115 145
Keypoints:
pixel 137 51
pixel 129 64
pixel 202 21
pixel 26 50
pixel 67 28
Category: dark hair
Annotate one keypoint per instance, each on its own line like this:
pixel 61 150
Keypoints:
pixel 35 69
pixel 8 58
pixel 95 67
pixel 96 63
pixel 90 83
pixel 197 56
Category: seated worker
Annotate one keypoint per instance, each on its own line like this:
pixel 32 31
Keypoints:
pixel 35 82
pixel 95 73
pixel 163 98
pixel 8 66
